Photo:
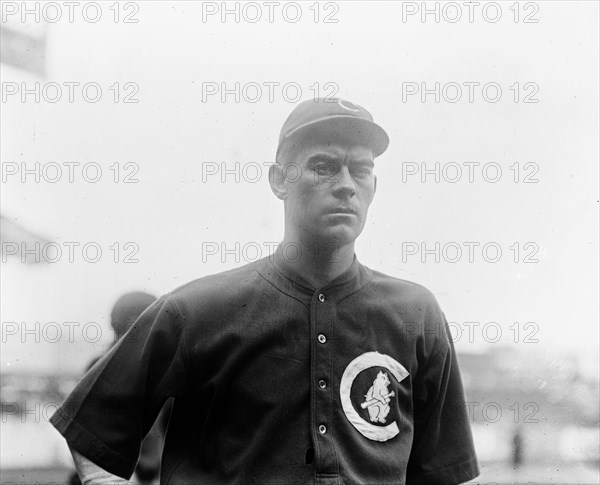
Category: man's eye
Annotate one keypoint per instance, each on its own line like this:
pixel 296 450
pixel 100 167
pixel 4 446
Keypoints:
pixel 325 168
pixel 362 171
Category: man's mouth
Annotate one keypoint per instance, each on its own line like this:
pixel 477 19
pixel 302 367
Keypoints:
pixel 342 210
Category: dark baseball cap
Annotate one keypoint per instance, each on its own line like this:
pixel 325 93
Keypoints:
pixel 337 115
pixel 127 309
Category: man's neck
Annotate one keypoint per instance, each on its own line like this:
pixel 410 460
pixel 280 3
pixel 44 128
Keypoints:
pixel 317 263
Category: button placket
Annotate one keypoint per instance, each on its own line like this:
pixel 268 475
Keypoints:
pixel 323 312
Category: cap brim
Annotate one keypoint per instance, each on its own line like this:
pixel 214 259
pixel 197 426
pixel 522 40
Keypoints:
pixel 364 131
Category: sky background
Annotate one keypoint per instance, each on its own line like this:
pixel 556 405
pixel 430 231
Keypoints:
pixel 173 136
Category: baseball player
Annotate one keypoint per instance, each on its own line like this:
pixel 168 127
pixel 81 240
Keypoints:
pixel 302 368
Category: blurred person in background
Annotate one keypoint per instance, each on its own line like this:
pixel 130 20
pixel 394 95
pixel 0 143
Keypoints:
pixel 517 448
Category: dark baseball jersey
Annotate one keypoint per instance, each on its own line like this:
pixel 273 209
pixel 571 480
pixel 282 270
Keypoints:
pixel 276 383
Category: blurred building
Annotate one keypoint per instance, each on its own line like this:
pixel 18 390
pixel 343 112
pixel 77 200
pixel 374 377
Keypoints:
pixel 545 397
pixel 23 44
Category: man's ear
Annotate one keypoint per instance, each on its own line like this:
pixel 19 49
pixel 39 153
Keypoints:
pixel 277 181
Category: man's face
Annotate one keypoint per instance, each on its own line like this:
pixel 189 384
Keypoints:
pixel 329 185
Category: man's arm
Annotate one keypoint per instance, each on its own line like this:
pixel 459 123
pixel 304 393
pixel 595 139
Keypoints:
pixel 443 452
pixel 91 474
pixel 115 404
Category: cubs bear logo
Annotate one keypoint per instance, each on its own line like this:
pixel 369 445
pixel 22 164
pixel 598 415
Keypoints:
pixel 377 398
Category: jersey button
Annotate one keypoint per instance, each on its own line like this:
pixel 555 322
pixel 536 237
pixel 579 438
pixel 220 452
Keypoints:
pixel 321 297
pixel 322 429
pixel 322 383
pixel 321 338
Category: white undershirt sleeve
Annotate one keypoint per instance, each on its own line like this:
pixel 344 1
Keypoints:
pixel 91 474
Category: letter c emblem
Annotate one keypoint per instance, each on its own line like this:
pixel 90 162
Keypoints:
pixel 362 362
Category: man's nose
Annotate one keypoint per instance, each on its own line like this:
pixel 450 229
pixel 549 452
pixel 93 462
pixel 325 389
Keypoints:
pixel 344 184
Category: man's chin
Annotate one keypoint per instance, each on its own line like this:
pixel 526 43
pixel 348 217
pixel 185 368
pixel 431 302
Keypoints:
pixel 338 234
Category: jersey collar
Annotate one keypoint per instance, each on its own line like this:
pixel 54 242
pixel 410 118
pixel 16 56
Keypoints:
pixel 293 284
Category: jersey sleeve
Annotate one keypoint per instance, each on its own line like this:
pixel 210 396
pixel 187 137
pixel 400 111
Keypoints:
pixel 115 404
pixel 443 452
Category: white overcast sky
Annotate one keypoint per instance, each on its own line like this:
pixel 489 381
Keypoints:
pixel 171 134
